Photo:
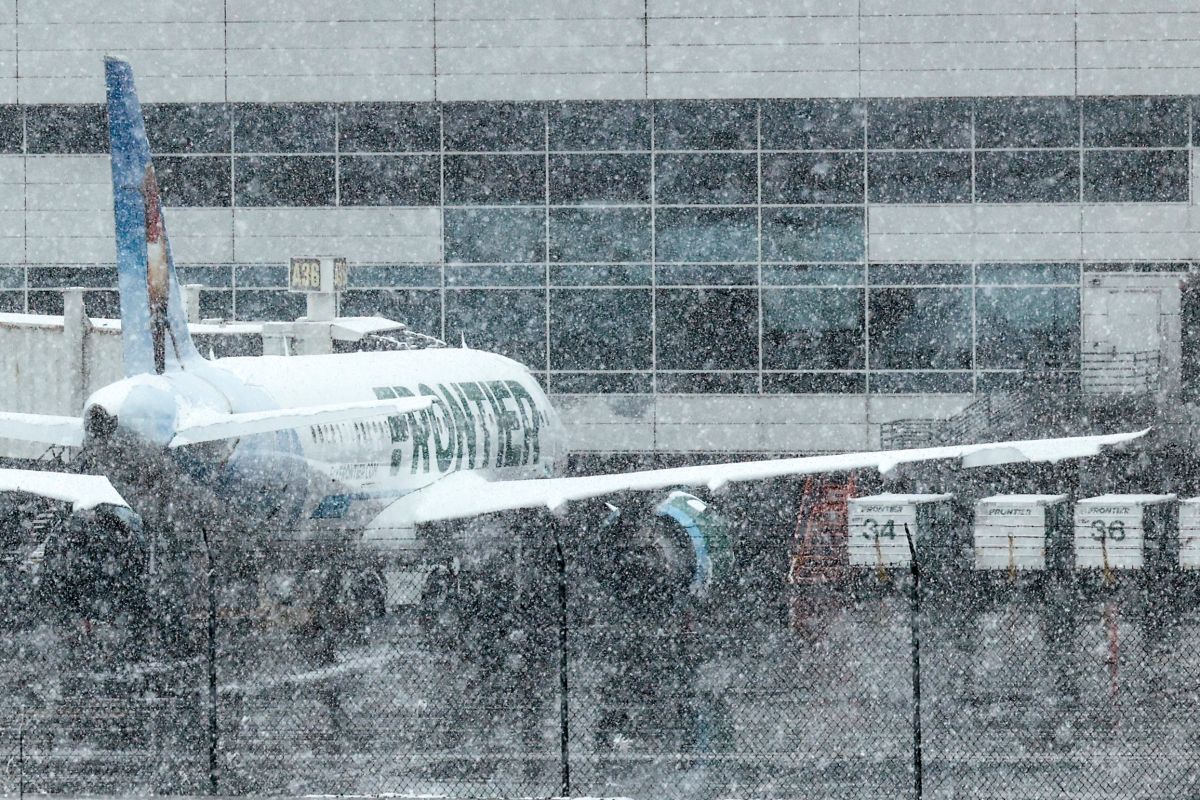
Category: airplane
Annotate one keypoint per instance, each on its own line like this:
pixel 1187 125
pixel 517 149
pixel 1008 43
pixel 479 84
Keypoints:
pixel 369 444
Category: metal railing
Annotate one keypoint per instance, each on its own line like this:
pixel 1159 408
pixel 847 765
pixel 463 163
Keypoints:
pixel 972 423
pixel 1120 374
pixel 585 675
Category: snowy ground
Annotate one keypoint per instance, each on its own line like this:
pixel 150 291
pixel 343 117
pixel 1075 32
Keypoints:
pixel 1106 704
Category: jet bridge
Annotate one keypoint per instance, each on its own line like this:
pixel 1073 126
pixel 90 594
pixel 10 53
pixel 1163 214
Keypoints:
pixel 50 364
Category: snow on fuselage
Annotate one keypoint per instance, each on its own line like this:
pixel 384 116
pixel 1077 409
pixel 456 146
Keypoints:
pixel 490 416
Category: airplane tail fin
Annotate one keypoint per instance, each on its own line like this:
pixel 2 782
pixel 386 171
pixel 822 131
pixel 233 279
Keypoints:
pixel 154 329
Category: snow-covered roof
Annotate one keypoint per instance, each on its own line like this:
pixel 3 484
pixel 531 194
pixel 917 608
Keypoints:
pixel 106 325
pixel 1133 499
pixel 1037 499
pixel 202 328
pixel 354 328
pixel 82 491
pixel 12 320
pixel 888 497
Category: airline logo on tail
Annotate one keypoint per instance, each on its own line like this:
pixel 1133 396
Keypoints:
pixel 158 275
pixel 154 329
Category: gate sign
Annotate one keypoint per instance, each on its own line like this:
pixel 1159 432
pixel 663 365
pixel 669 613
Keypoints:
pixel 1189 533
pixel 1010 531
pixel 877 537
pixel 316 274
pixel 1110 530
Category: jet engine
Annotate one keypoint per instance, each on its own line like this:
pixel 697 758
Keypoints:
pixel 73 565
pixel 673 553
pixel 500 574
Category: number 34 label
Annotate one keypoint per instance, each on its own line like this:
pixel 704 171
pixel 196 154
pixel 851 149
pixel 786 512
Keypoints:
pixel 874 529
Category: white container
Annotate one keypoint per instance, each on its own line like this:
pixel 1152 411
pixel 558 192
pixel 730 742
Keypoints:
pixel 1113 531
pixel 1189 533
pixel 1011 530
pixel 877 536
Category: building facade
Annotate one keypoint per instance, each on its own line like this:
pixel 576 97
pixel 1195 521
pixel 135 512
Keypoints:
pixel 717 225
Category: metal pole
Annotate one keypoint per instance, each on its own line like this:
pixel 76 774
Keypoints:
pixel 914 624
pixel 564 724
pixel 212 667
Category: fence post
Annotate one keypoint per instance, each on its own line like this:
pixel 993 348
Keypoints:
pixel 564 721
pixel 914 623
pixel 211 658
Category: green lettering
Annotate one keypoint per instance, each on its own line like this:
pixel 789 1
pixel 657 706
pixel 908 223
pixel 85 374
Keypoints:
pixel 498 413
pixel 510 421
pixel 531 451
pixel 475 396
pixel 442 428
pixel 466 422
pixel 418 424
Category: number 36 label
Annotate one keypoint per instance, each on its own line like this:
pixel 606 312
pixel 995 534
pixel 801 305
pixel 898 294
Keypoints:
pixel 1113 531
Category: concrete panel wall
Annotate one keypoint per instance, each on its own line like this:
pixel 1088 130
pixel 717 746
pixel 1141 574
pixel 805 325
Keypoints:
pixel 694 423
pixel 250 50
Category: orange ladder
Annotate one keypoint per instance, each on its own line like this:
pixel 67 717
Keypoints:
pixel 818 549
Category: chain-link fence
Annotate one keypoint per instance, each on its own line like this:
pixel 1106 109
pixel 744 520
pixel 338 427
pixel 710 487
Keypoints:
pixel 532 655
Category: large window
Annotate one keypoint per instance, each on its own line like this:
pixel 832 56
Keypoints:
pixel 813 328
pixel 600 329
pixel 507 321
pixel 707 234
pixel 920 328
pixel 599 234
pixel 1027 328
pixel 284 181
pixel 503 235
pixel 707 329
pixel 650 245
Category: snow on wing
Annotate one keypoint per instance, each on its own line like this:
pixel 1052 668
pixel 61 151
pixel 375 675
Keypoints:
pixel 82 491
pixel 466 495
pixel 234 426
pixel 49 429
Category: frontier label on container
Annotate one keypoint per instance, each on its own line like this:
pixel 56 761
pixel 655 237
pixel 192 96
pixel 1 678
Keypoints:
pixel 877 522
pixel 1010 531
pixel 1110 530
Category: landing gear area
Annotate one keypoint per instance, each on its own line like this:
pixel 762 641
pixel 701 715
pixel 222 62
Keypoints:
pixel 646 586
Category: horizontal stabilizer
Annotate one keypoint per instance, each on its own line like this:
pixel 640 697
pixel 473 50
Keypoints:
pixel 467 494
pixel 81 491
pixel 49 429
pixel 233 426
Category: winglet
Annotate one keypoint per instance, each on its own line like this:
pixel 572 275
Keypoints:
pixel 154 332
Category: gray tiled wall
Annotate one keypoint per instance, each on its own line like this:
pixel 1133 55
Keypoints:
pixel 983 153
pixel 334 50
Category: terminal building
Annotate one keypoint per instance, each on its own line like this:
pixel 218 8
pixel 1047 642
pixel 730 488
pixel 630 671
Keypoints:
pixel 752 226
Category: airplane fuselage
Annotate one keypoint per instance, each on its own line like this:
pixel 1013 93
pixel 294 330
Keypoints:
pixel 490 417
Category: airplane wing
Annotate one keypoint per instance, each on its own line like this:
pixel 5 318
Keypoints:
pixel 232 426
pixel 52 429
pixel 81 491
pixel 41 428
pixel 467 494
